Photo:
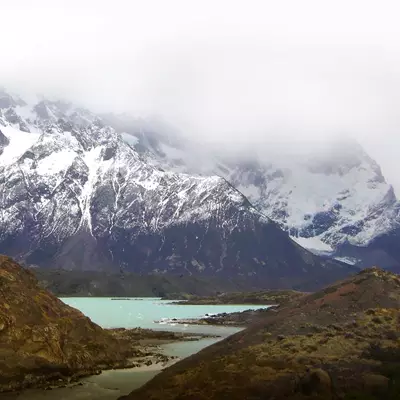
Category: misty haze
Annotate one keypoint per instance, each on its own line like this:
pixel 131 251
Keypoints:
pixel 182 176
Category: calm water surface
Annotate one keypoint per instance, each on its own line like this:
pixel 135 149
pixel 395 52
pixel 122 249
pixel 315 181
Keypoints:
pixel 143 312
pixel 137 312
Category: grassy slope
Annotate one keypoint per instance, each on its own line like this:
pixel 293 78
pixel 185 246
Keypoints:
pixel 339 343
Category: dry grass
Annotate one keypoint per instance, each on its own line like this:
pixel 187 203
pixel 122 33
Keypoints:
pixel 333 344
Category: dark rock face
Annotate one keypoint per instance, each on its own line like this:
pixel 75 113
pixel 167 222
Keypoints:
pixel 321 221
pixel 389 243
pixel 384 250
pixel 3 142
pixel 77 196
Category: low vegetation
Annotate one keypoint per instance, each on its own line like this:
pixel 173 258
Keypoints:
pixel 340 343
pixel 268 297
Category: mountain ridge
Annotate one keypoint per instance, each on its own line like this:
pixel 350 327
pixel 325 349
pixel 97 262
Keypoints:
pixel 331 197
pixel 74 194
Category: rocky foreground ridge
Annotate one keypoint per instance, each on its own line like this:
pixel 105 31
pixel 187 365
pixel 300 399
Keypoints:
pixel 44 342
pixel 339 343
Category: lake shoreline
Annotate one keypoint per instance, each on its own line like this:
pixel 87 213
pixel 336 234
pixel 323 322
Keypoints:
pixel 148 356
pixel 48 342
pixel 145 355
pixel 262 297
pixel 239 319
pixel 114 382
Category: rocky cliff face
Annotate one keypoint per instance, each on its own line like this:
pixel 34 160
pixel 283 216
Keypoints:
pixel 44 340
pixel 75 194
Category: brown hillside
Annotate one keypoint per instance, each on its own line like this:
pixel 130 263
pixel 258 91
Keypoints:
pixel 41 338
pixel 339 343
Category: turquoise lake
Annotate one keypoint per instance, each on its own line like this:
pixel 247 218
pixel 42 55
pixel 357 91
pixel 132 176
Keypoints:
pixel 143 312
pixel 137 312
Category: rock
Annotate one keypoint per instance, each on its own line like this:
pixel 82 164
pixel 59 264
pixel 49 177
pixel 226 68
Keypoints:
pixel 317 381
pixel 377 320
pixel 376 383
pixel 392 335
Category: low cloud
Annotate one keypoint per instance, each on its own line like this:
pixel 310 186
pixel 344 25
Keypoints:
pixel 229 72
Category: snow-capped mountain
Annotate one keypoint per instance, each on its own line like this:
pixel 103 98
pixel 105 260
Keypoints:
pixel 76 194
pixel 330 197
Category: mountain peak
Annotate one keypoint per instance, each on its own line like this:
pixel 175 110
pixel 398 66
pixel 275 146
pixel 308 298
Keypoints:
pixel 326 195
pixel 7 100
pixel 80 196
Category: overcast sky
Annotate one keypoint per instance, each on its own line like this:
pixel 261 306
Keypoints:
pixel 229 71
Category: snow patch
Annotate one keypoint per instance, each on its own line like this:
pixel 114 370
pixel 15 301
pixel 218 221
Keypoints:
pixel 314 244
pixel 20 142
pixel 26 112
pixel 347 260
pixel 91 159
pixel 56 162
pixel 70 138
